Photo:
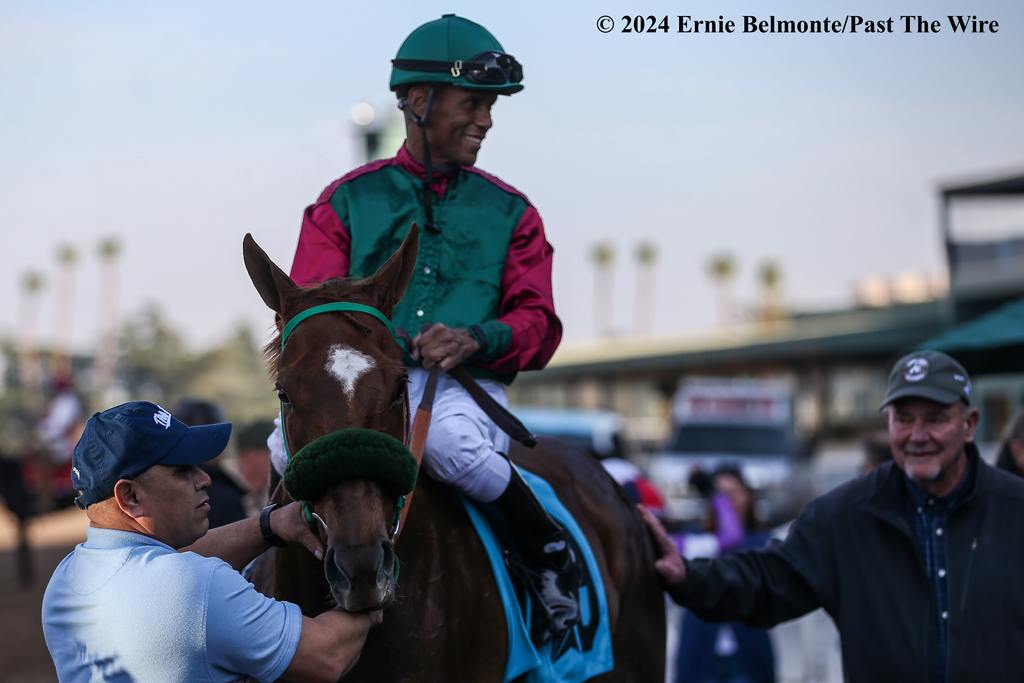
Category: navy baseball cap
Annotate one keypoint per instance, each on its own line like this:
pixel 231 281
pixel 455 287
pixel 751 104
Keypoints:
pixel 928 374
pixel 124 441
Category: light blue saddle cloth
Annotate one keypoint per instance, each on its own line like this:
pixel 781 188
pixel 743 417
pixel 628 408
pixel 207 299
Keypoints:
pixel 587 650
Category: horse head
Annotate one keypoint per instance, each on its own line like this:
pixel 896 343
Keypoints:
pixel 341 380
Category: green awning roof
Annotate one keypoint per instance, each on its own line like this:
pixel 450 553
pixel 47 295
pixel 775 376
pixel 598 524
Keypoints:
pixel 990 344
pixel 1001 328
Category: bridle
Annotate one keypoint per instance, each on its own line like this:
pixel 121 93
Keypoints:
pixel 313 520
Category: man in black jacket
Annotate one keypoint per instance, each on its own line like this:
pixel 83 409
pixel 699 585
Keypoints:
pixel 919 562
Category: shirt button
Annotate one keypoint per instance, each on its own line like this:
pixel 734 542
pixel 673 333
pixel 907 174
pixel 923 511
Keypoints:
pixel 426 270
pixel 938 532
pixel 942 573
pixel 920 510
pixel 420 314
pixel 945 615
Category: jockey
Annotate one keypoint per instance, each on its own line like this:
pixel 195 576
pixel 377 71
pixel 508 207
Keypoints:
pixel 481 293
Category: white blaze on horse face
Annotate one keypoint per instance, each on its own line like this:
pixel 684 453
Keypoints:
pixel 347 365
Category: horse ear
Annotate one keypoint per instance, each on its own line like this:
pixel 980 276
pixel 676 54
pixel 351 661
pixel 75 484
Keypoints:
pixel 393 277
pixel 270 281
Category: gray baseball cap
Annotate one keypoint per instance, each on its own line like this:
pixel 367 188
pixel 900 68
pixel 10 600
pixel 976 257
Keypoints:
pixel 928 374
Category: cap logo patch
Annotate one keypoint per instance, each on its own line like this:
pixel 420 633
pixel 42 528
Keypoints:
pixel 162 417
pixel 915 370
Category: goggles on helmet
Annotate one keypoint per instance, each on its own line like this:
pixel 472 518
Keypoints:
pixel 486 68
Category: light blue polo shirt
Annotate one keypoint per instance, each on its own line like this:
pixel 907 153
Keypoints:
pixel 126 607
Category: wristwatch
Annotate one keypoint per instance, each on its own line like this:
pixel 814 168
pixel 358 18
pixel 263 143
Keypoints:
pixel 268 534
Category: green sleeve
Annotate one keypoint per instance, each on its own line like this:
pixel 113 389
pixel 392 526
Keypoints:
pixel 494 338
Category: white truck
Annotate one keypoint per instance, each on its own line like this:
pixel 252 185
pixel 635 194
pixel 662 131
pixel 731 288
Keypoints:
pixel 744 422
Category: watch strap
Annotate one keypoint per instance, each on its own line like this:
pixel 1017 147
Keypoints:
pixel 268 534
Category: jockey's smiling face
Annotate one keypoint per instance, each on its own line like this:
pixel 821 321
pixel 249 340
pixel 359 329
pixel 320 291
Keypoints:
pixel 458 121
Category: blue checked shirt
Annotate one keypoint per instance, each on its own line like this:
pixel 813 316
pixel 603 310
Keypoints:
pixel 929 517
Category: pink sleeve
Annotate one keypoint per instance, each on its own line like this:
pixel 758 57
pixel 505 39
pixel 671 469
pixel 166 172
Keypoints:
pixel 324 244
pixel 527 306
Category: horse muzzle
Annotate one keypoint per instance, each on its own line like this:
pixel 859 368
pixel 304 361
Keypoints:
pixel 362 577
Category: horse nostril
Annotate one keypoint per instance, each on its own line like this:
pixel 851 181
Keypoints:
pixel 387 561
pixel 336 575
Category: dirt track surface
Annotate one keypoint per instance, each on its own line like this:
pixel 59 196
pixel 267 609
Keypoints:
pixel 23 655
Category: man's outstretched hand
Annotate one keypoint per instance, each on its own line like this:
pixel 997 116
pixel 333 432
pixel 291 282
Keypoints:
pixel 444 346
pixel 669 565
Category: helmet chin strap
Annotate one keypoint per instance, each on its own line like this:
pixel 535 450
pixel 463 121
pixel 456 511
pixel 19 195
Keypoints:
pixel 428 169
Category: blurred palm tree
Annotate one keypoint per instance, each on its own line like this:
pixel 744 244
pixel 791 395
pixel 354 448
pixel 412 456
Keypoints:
pixel 769 275
pixel 722 270
pixel 646 255
pixel 109 251
pixel 67 261
pixel 602 255
pixel 29 371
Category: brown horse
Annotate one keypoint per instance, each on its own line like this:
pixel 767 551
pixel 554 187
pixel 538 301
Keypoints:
pixel 444 620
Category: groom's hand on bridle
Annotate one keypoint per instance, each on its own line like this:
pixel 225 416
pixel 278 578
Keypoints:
pixel 444 346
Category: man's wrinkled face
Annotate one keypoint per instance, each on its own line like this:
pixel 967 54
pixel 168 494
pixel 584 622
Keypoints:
pixel 458 121
pixel 927 440
pixel 174 498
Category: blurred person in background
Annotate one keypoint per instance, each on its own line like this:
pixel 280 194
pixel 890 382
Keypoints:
pixel 1011 451
pixel 728 652
pixel 253 462
pixel 639 488
pixel 227 491
pixel 876 452
pixel 57 432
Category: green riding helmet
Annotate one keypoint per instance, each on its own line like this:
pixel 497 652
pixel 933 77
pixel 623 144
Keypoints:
pixel 458 52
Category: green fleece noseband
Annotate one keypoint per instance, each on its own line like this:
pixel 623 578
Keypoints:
pixel 350 454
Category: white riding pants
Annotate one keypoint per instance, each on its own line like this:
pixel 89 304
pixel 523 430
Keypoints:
pixel 464 447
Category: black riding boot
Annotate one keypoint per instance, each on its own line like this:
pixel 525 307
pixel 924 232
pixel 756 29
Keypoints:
pixel 539 552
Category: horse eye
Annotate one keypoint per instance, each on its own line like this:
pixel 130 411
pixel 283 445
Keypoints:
pixel 281 396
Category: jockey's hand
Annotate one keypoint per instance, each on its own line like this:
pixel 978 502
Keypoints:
pixel 669 566
pixel 288 523
pixel 444 346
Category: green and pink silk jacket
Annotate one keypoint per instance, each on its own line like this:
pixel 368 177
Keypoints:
pixel 486 268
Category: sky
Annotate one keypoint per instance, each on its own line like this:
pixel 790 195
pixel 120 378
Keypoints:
pixel 181 126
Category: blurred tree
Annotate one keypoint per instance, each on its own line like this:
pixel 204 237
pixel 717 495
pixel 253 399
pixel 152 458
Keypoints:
pixel 64 325
pixel 234 375
pixel 109 251
pixel 722 269
pixel 29 368
pixel 769 275
pixel 644 305
pixel 19 409
pixel 155 363
pixel 602 255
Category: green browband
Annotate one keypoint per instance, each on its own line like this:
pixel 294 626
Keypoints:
pixel 350 454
